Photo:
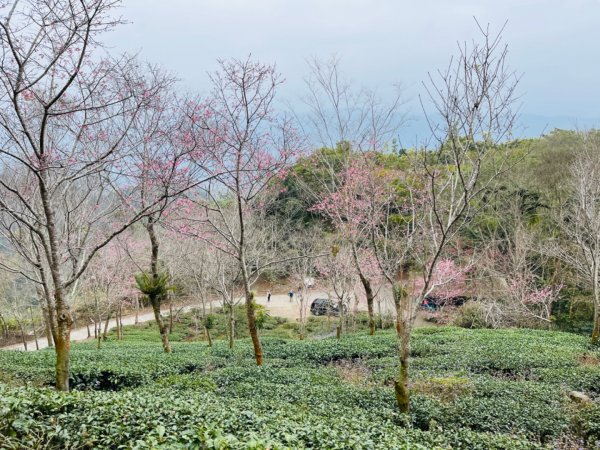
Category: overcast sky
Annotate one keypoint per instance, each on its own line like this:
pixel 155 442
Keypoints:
pixel 553 43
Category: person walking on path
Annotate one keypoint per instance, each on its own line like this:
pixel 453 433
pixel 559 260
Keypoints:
pixel 291 295
pixel 268 296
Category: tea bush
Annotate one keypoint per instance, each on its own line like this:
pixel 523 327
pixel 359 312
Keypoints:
pixel 473 389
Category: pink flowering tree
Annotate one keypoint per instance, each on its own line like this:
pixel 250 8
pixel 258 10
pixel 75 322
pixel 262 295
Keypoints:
pixel 528 299
pixel 449 280
pixel 449 283
pixel 249 148
pixel 352 124
pixel 166 161
pixel 357 208
pixel 524 290
pixel 67 112
pixel 109 282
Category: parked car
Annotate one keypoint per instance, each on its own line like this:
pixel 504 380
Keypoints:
pixel 432 303
pixel 324 306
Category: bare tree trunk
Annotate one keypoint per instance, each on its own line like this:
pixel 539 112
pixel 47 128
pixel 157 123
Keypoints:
pixel 397 292
pixel 368 289
pixel 156 300
pixel 403 328
pixel 97 318
pixel 208 337
pixel 52 322
pixel 355 313
pixel 258 353
pixel 62 343
pixel 37 345
pixel 105 332
pixel 401 388
pixel 118 322
pixel 137 310
pixel 46 317
pixel 121 321
pixel 4 327
pixel 23 335
pixel 302 316
pixel 87 325
pixel 596 327
pixel 48 330
pixel 170 316
pixel 231 325
pixel 64 319
pixel 162 326
pixel 370 298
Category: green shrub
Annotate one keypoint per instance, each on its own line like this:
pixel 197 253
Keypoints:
pixel 473 389
pixel 470 315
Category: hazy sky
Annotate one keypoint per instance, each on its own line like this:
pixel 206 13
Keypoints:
pixel 553 43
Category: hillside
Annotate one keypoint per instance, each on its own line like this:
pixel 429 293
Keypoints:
pixel 473 389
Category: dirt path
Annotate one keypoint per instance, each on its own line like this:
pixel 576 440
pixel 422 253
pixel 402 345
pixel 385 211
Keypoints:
pixel 81 334
pixel 279 306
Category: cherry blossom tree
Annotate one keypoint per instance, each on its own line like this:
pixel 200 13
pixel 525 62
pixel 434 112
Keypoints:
pixel 165 162
pixel 251 148
pixel 110 283
pixel 356 208
pixel 67 109
pixel 529 299
pixel 449 280
pixel 350 190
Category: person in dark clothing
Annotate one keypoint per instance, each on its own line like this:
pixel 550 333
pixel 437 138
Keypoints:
pixel 291 295
pixel 268 296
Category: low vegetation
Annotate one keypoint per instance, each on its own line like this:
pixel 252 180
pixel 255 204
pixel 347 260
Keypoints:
pixel 472 389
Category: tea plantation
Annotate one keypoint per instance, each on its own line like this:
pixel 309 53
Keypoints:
pixel 472 389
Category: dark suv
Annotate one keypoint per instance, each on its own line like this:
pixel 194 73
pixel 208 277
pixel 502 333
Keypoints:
pixel 323 306
pixel 432 303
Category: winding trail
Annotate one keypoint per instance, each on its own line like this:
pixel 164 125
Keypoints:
pixel 279 306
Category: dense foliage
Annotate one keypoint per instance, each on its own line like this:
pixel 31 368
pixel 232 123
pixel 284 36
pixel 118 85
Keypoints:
pixel 503 389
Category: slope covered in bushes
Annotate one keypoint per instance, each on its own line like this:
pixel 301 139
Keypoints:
pixel 503 389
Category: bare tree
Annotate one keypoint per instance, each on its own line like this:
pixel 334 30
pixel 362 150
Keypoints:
pixel 339 274
pixel 339 111
pixel 514 284
pixel 579 222
pixel 473 115
pixel 224 276
pixel 303 270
